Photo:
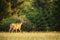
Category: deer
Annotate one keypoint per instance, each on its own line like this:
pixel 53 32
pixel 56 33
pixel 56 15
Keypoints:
pixel 16 26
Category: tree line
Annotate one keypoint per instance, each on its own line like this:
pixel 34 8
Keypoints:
pixel 39 15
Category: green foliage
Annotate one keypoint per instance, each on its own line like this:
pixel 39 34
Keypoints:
pixel 39 15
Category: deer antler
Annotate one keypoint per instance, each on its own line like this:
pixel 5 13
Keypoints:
pixel 22 20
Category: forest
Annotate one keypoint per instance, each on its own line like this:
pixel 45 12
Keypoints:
pixel 39 15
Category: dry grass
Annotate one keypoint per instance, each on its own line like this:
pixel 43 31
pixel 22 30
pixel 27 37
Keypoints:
pixel 30 36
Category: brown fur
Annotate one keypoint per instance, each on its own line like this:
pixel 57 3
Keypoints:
pixel 15 26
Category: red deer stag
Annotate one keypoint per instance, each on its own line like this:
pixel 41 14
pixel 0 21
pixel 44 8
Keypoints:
pixel 16 26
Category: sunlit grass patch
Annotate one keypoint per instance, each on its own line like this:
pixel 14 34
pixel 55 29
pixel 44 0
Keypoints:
pixel 30 36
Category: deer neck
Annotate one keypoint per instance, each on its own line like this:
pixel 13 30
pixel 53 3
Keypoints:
pixel 21 23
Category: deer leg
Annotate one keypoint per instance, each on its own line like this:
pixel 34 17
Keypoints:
pixel 9 29
pixel 19 30
pixel 16 30
pixel 12 30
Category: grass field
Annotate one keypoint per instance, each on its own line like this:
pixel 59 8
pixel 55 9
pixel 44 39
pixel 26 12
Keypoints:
pixel 30 36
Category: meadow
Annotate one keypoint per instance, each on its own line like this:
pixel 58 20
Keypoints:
pixel 30 36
